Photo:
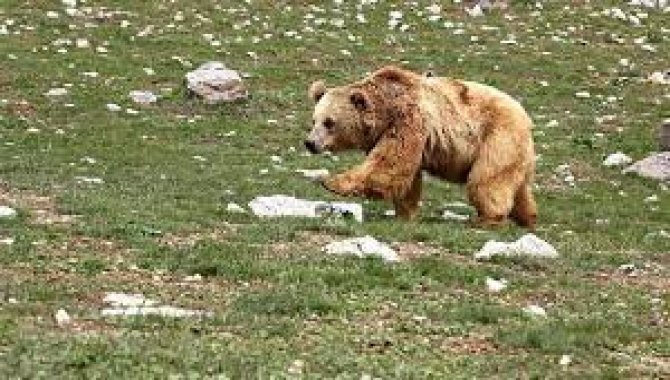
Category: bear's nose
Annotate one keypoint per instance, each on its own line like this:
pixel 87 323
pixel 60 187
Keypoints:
pixel 311 146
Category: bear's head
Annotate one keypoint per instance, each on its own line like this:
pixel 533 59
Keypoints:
pixel 341 118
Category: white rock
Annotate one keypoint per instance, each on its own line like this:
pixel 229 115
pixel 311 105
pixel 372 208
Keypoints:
pixel 89 180
pixel 535 310
pixel 434 9
pixel 162 311
pixel 82 43
pixel 313 174
pixel 565 360
pixel 362 247
pixel 113 107
pixel 143 97
pixel 7 241
pixel 89 160
pixel 235 208
pixel 495 286
pixel 618 14
pixel 282 205
pixel 475 11
pixel 528 245
pixel 125 300
pixel 660 77
pixel 457 204
pixel 62 318
pixel 194 278
pixel 617 159
pixel 656 166
pixel 56 92
pixel 450 215
pixel 7 212
pixel 651 199
pixel 215 83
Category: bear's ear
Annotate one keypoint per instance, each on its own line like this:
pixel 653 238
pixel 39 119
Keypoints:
pixel 359 100
pixel 316 90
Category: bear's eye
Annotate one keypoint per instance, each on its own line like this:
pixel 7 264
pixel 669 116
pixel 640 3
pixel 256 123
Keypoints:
pixel 328 123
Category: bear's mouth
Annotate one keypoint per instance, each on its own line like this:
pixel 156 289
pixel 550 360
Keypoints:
pixel 312 147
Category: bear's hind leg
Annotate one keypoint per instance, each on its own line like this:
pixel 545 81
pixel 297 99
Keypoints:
pixel 493 204
pixel 492 192
pixel 524 211
pixel 407 207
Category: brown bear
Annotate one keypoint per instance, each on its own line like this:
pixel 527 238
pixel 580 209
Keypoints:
pixel 407 123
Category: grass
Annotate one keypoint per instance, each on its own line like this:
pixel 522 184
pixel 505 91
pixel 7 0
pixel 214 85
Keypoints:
pixel 282 308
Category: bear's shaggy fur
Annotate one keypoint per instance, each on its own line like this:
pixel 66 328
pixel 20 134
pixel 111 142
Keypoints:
pixel 407 123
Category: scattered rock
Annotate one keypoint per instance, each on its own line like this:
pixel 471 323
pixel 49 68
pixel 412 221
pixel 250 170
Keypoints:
pixel 89 180
pixel 564 173
pixel 565 360
pixel 62 318
pixel 656 166
pixel 475 11
pixel 235 208
pixel 282 205
pixel 113 107
pixel 56 92
pixel 528 245
pixel 216 84
pixel 495 286
pixel 362 247
pixel 143 97
pixel 629 270
pixel 313 174
pixel 296 368
pixel 123 299
pixel 7 212
pixel 162 311
pixel 651 199
pixel 617 159
pixel 193 278
pixel 137 305
pixel 660 77
pixel 82 43
pixel 450 215
pixel 535 310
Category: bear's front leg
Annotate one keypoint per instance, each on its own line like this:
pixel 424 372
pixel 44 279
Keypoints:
pixel 407 207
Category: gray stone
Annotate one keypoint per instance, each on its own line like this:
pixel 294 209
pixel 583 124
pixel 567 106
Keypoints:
pixel 656 166
pixel 216 84
pixel 7 212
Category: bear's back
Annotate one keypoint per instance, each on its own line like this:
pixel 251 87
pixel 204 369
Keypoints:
pixel 458 116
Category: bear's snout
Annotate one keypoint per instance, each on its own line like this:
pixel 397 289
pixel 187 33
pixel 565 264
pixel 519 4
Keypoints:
pixel 311 146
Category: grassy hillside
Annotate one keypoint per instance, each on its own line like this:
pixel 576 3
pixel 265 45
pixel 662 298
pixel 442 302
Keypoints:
pixel 281 307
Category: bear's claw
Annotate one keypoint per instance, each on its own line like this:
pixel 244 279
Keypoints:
pixel 334 185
